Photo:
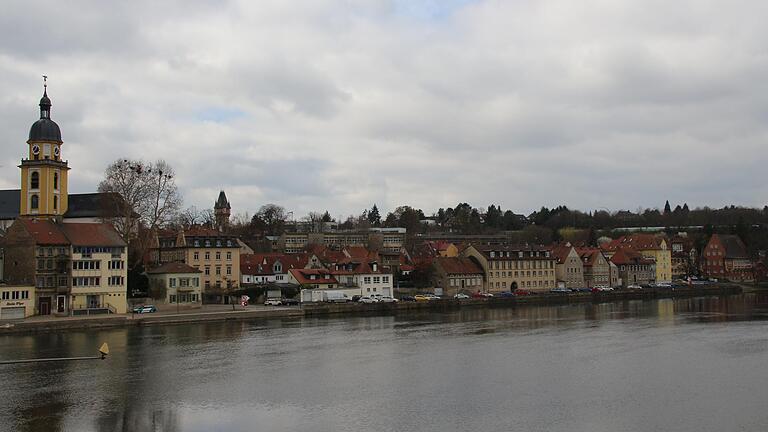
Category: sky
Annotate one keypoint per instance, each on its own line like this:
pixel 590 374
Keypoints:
pixel 336 105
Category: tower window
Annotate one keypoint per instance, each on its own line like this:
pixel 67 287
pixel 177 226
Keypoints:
pixel 55 180
pixel 55 203
pixel 34 202
pixel 34 180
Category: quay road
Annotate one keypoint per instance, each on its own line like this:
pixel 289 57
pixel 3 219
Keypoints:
pixel 168 314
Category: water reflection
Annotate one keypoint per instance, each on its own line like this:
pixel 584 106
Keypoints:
pixel 320 373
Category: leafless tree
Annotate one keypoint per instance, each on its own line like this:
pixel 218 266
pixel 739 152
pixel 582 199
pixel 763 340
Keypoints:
pixel 148 194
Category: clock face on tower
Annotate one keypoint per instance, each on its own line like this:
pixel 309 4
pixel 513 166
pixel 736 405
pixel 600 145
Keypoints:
pixel 35 149
pixel 56 151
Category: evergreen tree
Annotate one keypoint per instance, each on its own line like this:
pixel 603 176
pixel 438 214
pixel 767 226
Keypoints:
pixel 374 217
pixel 667 208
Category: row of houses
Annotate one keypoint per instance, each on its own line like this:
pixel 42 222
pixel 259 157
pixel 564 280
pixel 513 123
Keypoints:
pixel 634 259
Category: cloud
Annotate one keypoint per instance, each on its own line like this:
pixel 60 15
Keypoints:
pixel 338 105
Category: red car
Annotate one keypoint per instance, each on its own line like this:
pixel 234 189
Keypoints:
pixel 522 292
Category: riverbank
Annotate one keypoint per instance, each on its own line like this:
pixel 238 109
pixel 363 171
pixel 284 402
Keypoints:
pixel 51 324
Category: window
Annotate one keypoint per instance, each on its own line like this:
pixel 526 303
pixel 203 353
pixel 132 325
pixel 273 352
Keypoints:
pixel 34 202
pixel 218 255
pixel 229 256
pixel 173 298
pixel 55 203
pixel 207 270
pixel 385 279
pixel 367 279
pixel 229 270
pixel 376 279
pixel 56 181
pixel 207 256
pixel 218 270
pixel 6 295
pixel 172 282
pixel 196 256
pixel 34 180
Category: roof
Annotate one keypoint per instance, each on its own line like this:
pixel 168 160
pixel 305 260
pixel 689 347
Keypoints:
pixel 321 276
pixel 97 204
pixel 92 234
pixel 734 247
pixel 634 241
pixel 89 205
pixel 10 203
pixel 560 252
pixel 45 129
pixel 44 232
pixel 261 264
pixel 173 267
pixel 458 265
pixel 222 202
pixel 589 255
pixel 628 256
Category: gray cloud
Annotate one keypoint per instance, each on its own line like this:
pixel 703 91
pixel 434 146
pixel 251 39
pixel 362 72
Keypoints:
pixel 329 105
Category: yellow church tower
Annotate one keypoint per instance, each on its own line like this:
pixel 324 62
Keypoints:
pixel 44 174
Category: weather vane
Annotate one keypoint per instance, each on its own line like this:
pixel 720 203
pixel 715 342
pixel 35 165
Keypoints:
pixel 45 81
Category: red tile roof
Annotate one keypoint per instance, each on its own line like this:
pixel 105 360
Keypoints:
pixel 457 265
pixel 173 267
pixel 634 241
pixel 628 256
pixel 92 234
pixel 44 232
pixel 303 276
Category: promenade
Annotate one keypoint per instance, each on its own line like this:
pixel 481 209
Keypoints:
pixel 169 315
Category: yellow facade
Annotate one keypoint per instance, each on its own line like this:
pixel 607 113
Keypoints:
pixel 220 266
pixel 663 258
pixel 44 180
pixel 99 280
pixel 509 269
pixel 13 298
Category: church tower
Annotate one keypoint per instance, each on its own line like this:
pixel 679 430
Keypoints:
pixel 222 210
pixel 43 173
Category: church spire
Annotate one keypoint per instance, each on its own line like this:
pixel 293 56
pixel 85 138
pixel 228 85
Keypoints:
pixel 45 102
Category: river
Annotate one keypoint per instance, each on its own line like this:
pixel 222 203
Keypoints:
pixel 662 365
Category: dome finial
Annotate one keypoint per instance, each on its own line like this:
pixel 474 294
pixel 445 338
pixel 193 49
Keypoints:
pixel 45 102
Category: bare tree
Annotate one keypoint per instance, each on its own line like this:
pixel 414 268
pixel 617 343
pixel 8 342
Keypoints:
pixel 194 216
pixel 148 194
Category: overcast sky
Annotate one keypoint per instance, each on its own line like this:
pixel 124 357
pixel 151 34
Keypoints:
pixel 338 105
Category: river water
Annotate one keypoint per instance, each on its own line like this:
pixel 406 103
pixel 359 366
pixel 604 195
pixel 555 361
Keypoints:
pixel 663 365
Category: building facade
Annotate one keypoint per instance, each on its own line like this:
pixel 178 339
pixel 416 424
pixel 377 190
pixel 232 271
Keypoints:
pixel 725 256
pixel 569 269
pixel 597 269
pixel 514 267
pixel 177 283
pixel 215 253
pixel 455 275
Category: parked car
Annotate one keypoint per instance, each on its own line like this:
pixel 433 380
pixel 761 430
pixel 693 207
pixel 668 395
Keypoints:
pixel 290 302
pixel 560 290
pixel 420 297
pixel 604 288
pixel 356 298
pixel 521 292
pixel 433 297
pixel 273 302
pixel 368 300
pixel 461 296
pixel 137 309
pixel 584 289
pixel 407 299
pixel 482 295
pixel 634 287
pixel 147 309
pixel 388 299
pixel 505 294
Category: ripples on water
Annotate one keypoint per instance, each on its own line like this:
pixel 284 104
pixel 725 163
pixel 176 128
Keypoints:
pixel 688 365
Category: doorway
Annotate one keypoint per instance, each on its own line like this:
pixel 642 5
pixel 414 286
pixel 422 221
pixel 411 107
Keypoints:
pixel 44 305
pixel 61 304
